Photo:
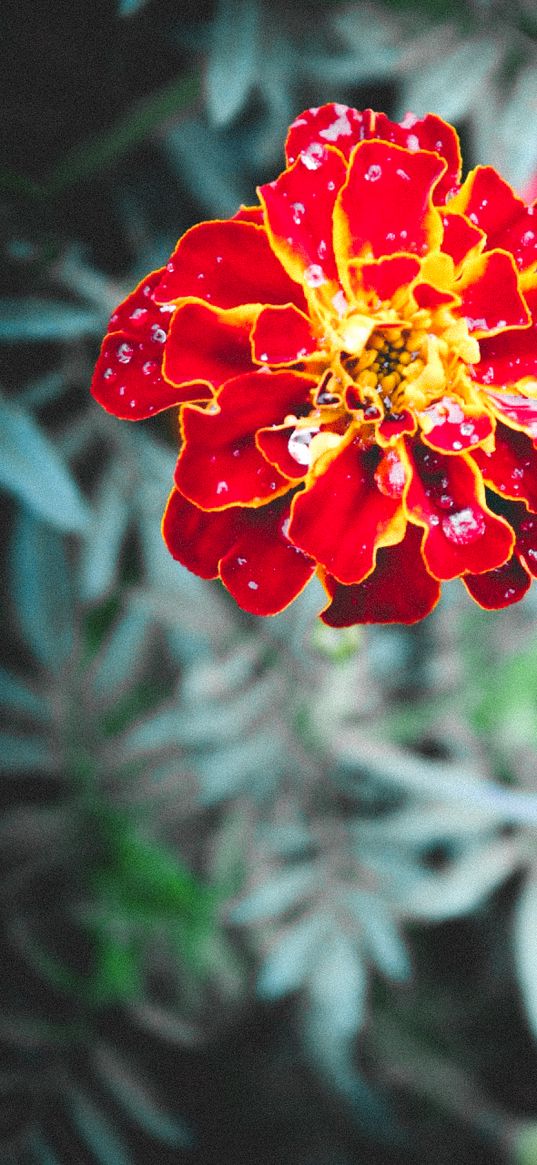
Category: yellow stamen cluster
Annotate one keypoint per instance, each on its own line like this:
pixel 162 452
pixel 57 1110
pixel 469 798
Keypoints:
pixel 387 361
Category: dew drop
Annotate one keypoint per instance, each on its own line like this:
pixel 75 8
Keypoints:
pixel 299 211
pixel 467 429
pixel 464 526
pixel 299 445
pixel 149 367
pixel 125 353
pixel 314 275
pixel 322 249
pixel 456 445
pixel 373 173
pixel 138 315
pixel 222 487
pixel 253 585
pixel 158 334
pixel 403 174
pixel 109 374
pixel 412 142
pixel 313 157
pixel 170 266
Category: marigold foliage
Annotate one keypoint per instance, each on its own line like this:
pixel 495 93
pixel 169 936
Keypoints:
pixel 355 364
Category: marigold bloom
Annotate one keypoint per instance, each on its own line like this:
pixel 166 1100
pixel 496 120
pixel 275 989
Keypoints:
pixel 355 361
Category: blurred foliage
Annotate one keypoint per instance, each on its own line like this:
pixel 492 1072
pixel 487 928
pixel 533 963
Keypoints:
pixel 269 891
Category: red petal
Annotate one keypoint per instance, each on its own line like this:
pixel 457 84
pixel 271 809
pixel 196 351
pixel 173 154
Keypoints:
pixel 274 445
pixel 249 214
pixel 395 425
pixel 385 206
pixel 431 297
pixel 426 133
pixel 262 570
pixel 384 276
pixel 344 516
pixel 329 125
pixel 508 357
pixel 227 263
pixel 519 411
pixel 128 380
pixel 220 464
pixel 283 335
pixel 491 299
pixel 446 496
pixel 207 344
pixel 488 201
pixel 526 539
pixel 520 237
pixel 400 589
pixel 196 538
pixel 512 468
pixel 460 236
pixel 298 209
pixel 499 588
pixel 448 427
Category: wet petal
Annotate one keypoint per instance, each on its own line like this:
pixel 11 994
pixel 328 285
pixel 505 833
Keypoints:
pixel 449 426
pixel 283 335
pixel 517 411
pixel 385 205
pixel 227 264
pixel 206 344
pixel 509 356
pixel 526 539
pixel 383 276
pixel 460 236
pixel 329 125
pixel 343 517
pixel 128 379
pixel 220 464
pixel 249 214
pixel 447 497
pixel 427 296
pixel 520 238
pixel 426 133
pixel 490 293
pixel 196 538
pixel 287 447
pixel 400 589
pixel 298 210
pixel 395 425
pixel 499 588
pixel 263 571
pixel 488 201
pixel 511 469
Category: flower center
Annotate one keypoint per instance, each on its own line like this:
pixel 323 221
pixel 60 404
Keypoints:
pixel 385 368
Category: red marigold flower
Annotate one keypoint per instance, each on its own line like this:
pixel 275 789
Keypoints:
pixel 355 361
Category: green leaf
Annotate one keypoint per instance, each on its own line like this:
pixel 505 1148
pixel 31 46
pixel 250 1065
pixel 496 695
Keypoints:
pixel 275 896
pixel 32 468
pixel 98 1134
pixel 289 961
pixel 232 65
pixel 133 1095
pixel 37 320
pixel 525 948
pixel 41 591
pixel 16 696
pixel 19 754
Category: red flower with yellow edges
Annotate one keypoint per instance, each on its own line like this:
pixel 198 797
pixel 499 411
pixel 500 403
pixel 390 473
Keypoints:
pixel 355 361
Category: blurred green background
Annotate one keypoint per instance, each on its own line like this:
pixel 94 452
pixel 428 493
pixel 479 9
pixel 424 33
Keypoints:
pixel 269 892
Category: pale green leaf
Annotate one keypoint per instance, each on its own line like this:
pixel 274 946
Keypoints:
pixel 32 468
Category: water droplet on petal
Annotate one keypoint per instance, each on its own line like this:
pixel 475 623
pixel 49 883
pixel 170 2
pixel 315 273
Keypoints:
pixel 139 315
pixel 464 526
pixel 457 445
pixel 299 211
pixel 467 429
pixel 125 353
pixel 299 445
pixel 373 173
pixel 222 487
pixel 158 334
pixel 149 367
pixel 253 585
pixel 109 374
pixel 314 275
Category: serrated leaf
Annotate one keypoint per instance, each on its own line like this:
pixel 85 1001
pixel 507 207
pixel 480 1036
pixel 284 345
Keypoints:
pixel 41 591
pixel 525 948
pixel 380 935
pixel 38 320
pixel 451 82
pixel 275 896
pixel 232 64
pixel 33 469
pixel 97 1132
pixel 338 984
pixel 132 1094
pixel 288 963
pixel 464 886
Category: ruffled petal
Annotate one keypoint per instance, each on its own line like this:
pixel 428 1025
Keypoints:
pixel 511 469
pixel 198 539
pixel 298 211
pixel 450 427
pixel 488 201
pixel 426 133
pixel 491 296
pixel 283 335
pixel 277 444
pixel 519 412
pixel 447 497
pixel 220 464
pixel 249 214
pixel 207 344
pixel 227 263
pixel 263 571
pixel 383 276
pixel 499 588
pixel 128 380
pixel 400 589
pixel 385 206
pixel 509 356
pixel 347 513
pixel 460 236
pixel 520 238
pixel 526 539
pixel 328 125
